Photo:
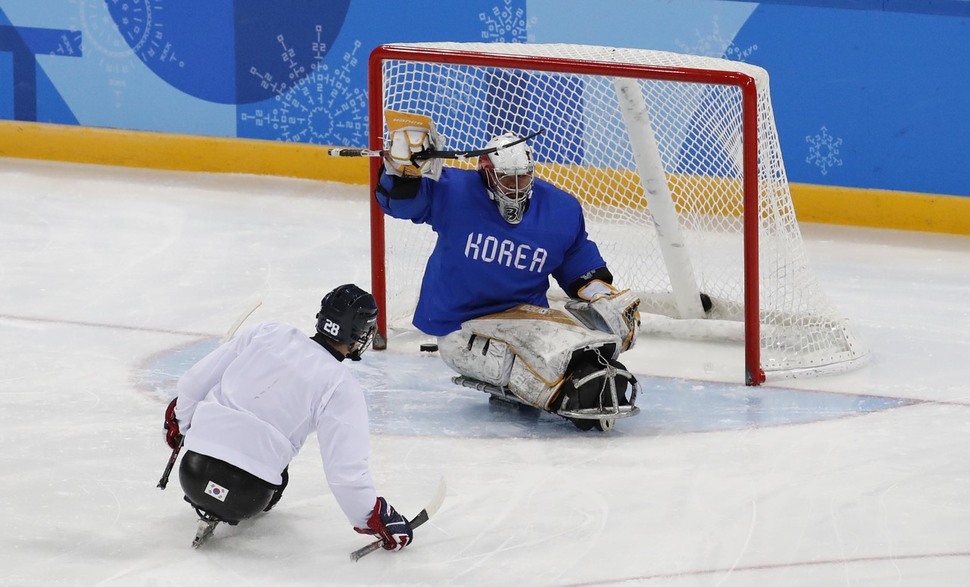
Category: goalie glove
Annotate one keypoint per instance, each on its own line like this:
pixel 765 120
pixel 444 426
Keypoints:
pixel 411 134
pixel 603 307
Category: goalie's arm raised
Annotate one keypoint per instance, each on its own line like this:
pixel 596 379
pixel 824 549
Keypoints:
pixel 411 134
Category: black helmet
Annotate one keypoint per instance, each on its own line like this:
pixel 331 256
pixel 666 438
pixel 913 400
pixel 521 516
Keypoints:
pixel 348 315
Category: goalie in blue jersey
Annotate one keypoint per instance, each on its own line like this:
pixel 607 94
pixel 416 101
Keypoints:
pixel 501 232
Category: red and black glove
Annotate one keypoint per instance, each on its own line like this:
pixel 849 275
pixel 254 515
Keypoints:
pixel 172 435
pixel 392 528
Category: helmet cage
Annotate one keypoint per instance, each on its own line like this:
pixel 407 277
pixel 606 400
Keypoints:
pixel 362 343
pixel 509 176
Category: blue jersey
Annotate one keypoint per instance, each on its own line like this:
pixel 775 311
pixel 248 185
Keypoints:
pixel 481 264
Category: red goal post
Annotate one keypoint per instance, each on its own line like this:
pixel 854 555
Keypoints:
pixel 678 150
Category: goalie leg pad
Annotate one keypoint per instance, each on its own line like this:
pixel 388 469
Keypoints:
pixel 526 349
pixel 477 356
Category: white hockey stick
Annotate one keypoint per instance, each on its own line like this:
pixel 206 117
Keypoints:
pixel 422 517
pixel 235 326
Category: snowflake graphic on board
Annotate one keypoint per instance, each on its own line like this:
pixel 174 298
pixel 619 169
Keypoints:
pixel 320 106
pixel 713 44
pixel 824 150
pixel 505 24
pixel 121 34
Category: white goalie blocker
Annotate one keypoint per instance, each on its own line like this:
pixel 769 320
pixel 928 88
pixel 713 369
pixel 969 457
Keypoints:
pixel 410 135
pixel 546 359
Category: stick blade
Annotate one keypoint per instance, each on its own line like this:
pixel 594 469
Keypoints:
pixel 433 506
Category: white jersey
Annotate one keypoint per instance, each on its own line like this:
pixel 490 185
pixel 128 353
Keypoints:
pixel 253 402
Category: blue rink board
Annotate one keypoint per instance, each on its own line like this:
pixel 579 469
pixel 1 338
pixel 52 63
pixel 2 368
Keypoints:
pixel 412 395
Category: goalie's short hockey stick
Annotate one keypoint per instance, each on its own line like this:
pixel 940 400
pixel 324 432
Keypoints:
pixel 422 517
pixel 430 153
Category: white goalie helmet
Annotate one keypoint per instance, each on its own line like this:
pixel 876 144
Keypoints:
pixel 508 173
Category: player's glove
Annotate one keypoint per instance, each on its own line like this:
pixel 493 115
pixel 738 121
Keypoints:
pixel 172 435
pixel 602 307
pixel 411 134
pixel 392 528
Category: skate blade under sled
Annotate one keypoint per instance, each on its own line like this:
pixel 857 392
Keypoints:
pixel 207 525
pixel 204 532
pixel 602 417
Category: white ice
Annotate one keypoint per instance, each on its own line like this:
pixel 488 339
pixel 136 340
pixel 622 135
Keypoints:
pixel 113 280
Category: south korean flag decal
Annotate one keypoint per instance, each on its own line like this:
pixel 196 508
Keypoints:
pixel 217 491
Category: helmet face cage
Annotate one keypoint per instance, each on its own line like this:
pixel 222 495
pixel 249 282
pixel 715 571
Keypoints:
pixel 348 316
pixel 508 174
pixel 363 342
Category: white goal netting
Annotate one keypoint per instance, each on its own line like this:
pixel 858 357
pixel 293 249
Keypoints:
pixel 652 144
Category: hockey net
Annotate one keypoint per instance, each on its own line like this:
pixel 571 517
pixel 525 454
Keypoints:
pixel 677 163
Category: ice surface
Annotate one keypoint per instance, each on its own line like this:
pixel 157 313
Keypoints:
pixel 113 281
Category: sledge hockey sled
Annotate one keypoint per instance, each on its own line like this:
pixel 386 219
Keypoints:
pixel 602 417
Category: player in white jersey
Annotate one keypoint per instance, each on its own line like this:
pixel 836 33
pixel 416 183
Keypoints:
pixel 501 233
pixel 244 411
